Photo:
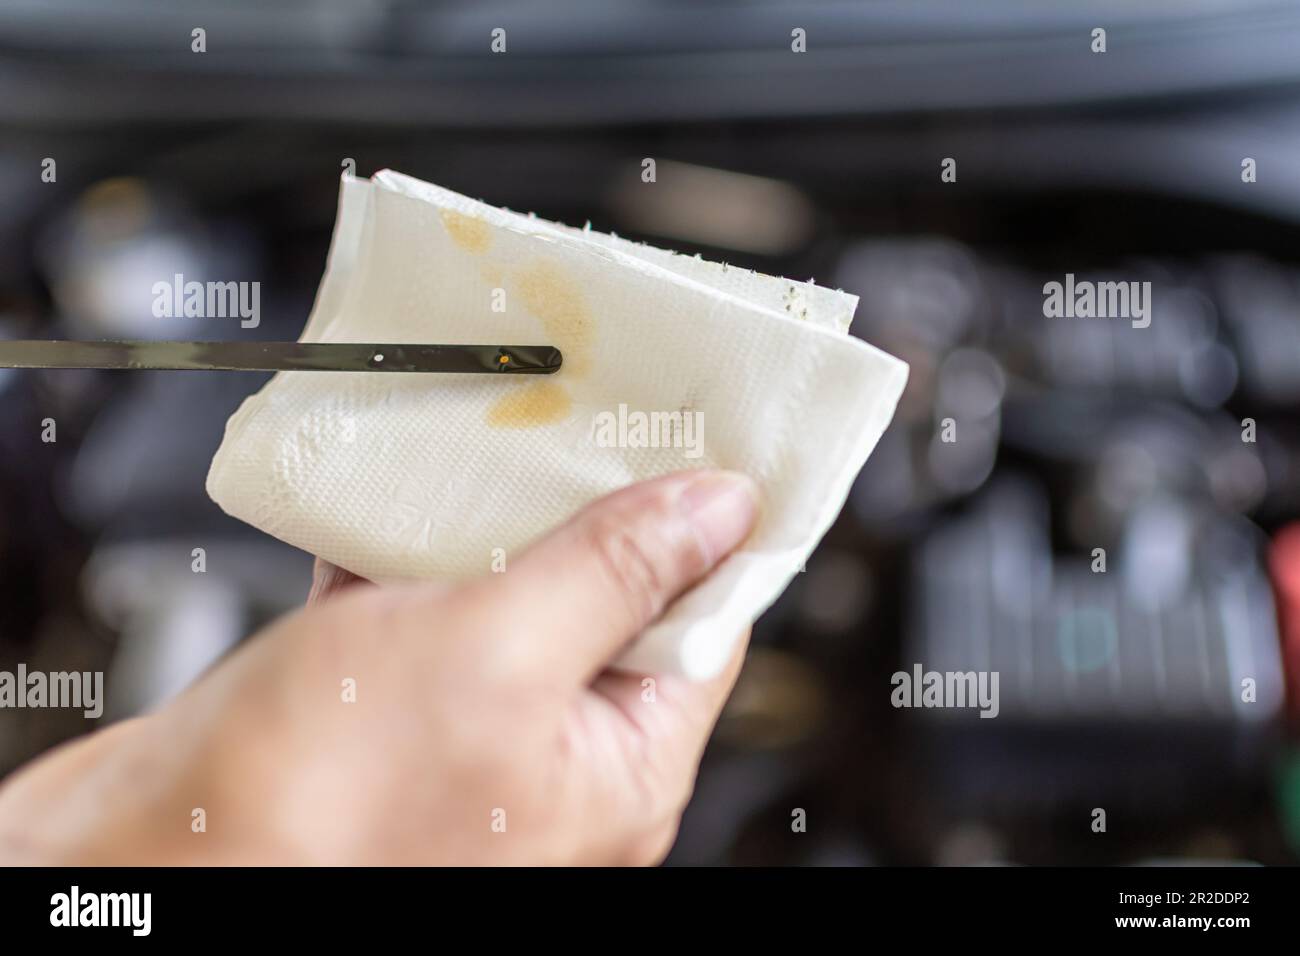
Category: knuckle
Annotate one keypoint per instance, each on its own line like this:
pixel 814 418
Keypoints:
pixel 636 560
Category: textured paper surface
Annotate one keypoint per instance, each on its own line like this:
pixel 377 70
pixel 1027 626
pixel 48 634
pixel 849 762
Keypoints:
pixel 398 477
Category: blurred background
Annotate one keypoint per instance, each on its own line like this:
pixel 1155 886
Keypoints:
pixel 1119 690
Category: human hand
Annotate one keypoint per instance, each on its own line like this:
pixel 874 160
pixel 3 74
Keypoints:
pixel 484 726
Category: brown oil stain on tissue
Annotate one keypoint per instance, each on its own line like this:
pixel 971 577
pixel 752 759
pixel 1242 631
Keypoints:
pixel 559 304
pixel 539 403
pixel 472 235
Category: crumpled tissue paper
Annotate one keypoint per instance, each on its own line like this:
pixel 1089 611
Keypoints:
pixel 670 362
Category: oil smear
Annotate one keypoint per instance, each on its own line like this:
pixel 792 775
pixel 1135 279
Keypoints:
pixel 559 304
pixel 538 403
pixel 472 235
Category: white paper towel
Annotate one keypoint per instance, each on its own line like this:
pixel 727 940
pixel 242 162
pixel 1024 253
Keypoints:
pixel 396 477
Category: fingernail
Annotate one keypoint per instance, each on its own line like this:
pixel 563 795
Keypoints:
pixel 319 574
pixel 722 506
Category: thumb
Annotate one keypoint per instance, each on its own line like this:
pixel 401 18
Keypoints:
pixel 575 598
